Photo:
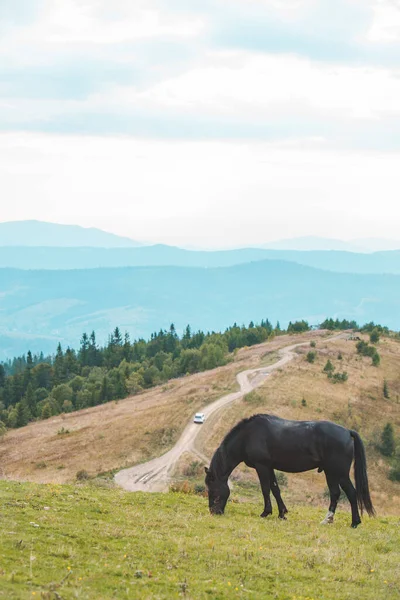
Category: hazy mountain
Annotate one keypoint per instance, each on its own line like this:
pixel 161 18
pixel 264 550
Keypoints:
pixel 376 244
pixel 40 233
pixel 39 308
pixel 319 243
pixel 88 258
pixel 311 243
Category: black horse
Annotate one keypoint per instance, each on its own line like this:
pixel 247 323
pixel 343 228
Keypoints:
pixel 266 442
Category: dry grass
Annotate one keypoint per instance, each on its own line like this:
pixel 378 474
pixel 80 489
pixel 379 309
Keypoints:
pixel 358 403
pixel 119 434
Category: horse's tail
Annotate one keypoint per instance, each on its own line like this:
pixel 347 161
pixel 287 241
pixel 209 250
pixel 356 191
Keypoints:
pixel 361 477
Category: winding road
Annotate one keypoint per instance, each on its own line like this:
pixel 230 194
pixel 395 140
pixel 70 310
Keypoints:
pixel 155 475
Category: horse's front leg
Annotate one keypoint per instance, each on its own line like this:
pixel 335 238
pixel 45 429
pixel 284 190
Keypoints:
pixel 277 495
pixel 264 475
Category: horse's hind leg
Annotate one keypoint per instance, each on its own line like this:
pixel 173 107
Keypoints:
pixel 264 475
pixel 277 495
pixel 334 491
pixel 349 490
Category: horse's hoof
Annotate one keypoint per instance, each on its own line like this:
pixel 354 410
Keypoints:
pixel 282 518
pixel 265 514
pixel 355 525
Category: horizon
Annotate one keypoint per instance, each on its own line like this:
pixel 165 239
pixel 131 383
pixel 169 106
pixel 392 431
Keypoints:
pixel 206 125
pixel 368 246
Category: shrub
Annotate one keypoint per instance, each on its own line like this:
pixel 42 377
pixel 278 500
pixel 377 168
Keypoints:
pixel 376 359
pixel 313 344
pixel 194 469
pixel 200 489
pixel 311 356
pixel 252 398
pixel 182 487
pixel 82 475
pixel 339 377
pixel 374 336
pixel 281 478
pixel 63 431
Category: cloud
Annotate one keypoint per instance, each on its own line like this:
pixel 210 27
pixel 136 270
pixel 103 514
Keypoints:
pixel 206 193
pixel 211 69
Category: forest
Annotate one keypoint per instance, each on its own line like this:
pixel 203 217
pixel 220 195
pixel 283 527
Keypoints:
pixel 35 386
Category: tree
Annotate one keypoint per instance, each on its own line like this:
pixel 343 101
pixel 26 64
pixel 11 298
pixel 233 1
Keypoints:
pixel 61 393
pixel 385 390
pixel 29 400
pixel 59 367
pixel 22 415
pixel 328 368
pixel 84 350
pixel 2 376
pixel 388 444
pixel 46 411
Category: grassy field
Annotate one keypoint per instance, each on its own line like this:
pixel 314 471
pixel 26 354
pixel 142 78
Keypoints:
pixel 65 542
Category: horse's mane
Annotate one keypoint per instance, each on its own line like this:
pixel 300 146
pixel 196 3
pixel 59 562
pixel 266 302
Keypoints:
pixel 237 429
pixel 218 460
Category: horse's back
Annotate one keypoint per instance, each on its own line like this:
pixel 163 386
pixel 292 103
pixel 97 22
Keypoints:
pixel 298 445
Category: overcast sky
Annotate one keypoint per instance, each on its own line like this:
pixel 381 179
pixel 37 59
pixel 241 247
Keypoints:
pixel 208 123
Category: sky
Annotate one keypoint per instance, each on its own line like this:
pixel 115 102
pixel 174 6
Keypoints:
pixel 209 123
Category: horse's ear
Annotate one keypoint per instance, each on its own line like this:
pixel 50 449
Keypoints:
pixel 206 469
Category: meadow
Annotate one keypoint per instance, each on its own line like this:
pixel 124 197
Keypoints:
pixel 89 542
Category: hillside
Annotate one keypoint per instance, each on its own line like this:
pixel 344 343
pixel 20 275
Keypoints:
pixel 41 308
pixel 160 255
pixel 40 233
pixel 90 543
pixel 129 431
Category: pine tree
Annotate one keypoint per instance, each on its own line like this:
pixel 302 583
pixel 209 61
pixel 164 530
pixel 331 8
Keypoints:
pixel 59 367
pixel 117 337
pixel 92 351
pixel 388 444
pixel 385 390
pixel 328 368
pixel 84 350
pixel 29 400
pixel 22 414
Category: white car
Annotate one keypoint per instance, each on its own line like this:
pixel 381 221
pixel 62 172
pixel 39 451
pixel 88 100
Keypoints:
pixel 199 418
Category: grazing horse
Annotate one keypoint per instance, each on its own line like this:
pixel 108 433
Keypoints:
pixel 266 442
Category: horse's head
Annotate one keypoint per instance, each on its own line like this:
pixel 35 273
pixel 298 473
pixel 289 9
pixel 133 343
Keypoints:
pixel 218 493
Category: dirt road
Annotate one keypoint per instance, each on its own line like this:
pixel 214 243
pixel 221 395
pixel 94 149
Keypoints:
pixel 154 475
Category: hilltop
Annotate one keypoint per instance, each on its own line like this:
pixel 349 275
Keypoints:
pixel 119 434
pixel 41 233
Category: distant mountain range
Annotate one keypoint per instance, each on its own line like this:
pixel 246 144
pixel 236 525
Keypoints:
pixel 159 255
pixel 40 233
pixel 318 243
pixel 57 281
pixel 40 308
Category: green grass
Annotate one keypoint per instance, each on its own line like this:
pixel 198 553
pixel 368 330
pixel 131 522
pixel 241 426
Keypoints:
pixel 62 542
